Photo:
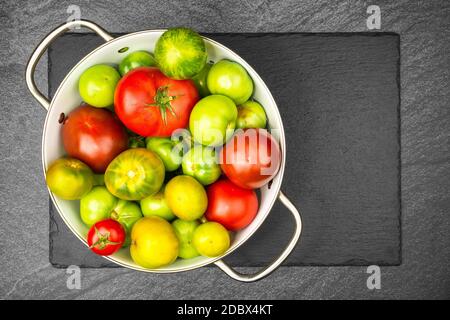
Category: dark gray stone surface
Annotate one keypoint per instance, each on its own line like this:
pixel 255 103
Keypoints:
pixel 424 30
pixel 339 99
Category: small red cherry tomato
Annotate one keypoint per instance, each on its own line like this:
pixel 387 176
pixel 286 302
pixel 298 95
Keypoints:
pixel 106 237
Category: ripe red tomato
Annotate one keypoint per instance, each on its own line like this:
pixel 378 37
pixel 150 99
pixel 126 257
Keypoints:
pixel 251 158
pixel 231 206
pixel 106 237
pixel 153 105
pixel 94 136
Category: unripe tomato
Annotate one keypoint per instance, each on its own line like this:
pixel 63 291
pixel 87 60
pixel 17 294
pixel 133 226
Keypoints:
pixel 156 205
pixel 186 197
pixel 135 60
pixel 251 115
pixel 154 243
pixel 135 174
pixel 97 84
pixel 97 205
pixel 167 150
pixel 69 179
pixel 230 79
pixel 180 53
pixel 201 163
pixel 185 231
pixel 200 81
pixel 213 119
pixel 211 239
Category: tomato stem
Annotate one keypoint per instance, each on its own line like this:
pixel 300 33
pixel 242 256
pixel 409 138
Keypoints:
pixel 163 101
pixel 103 240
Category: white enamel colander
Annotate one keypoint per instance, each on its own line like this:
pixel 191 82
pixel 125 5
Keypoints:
pixel 67 98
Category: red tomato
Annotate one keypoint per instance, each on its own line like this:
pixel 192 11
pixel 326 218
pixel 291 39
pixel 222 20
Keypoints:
pixel 94 136
pixel 153 105
pixel 251 158
pixel 231 206
pixel 106 237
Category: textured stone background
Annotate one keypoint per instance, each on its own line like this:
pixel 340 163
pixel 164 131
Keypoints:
pixel 424 29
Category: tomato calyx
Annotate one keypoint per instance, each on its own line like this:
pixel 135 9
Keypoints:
pixel 103 240
pixel 163 101
pixel 136 142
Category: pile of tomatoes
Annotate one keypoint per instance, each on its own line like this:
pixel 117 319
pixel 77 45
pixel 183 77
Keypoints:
pixel 165 153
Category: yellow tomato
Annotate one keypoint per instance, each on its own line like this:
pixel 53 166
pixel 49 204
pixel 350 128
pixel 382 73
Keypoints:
pixel 154 243
pixel 186 197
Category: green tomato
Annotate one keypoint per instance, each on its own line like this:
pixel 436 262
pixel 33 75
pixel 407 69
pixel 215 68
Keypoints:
pixel 97 85
pixel 97 205
pixel 180 53
pixel 135 174
pixel 156 205
pixel 166 149
pixel 184 231
pixel 182 138
pixel 200 80
pixel 127 213
pixel 230 79
pixel 251 115
pixel 213 119
pixel 211 239
pixel 201 163
pixel 135 60
pixel 69 179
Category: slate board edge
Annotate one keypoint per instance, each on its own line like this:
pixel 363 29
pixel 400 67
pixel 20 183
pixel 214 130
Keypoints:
pixel 353 262
pixel 399 141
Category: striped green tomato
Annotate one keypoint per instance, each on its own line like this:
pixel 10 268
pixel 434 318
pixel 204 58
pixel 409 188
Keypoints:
pixel 135 174
pixel 180 53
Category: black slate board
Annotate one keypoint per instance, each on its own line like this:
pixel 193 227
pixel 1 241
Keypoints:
pixel 338 95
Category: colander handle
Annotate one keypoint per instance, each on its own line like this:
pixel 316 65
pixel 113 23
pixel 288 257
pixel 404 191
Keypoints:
pixel 40 49
pixel 276 263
